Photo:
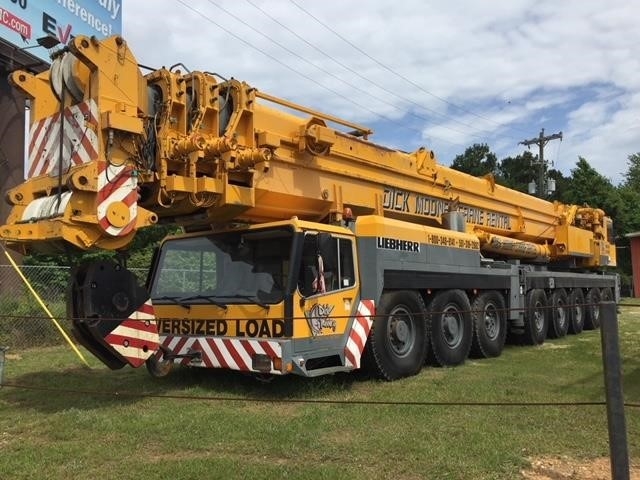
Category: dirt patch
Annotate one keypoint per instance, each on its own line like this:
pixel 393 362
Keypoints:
pixel 565 468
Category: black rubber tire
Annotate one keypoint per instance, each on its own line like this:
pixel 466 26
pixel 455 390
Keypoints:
pixel 397 343
pixel 489 316
pixel 606 295
pixel 592 309
pixel 451 328
pixel 559 314
pixel 536 317
pixel 576 311
pixel 157 366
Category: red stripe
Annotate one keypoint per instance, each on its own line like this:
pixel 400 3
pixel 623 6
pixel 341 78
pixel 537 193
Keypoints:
pixel 218 354
pixel 113 184
pixel 71 123
pixel 146 308
pixel 266 346
pixel 356 339
pixel 246 344
pixel 206 359
pixel 116 339
pixel 47 123
pixel 86 142
pixel 131 198
pixel 35 147
pixel 234 353
pixel 140 325
pixel 349 356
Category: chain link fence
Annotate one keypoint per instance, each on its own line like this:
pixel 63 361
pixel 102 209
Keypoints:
pixel 23 322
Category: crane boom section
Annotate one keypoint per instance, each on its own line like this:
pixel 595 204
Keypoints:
pixel 112 151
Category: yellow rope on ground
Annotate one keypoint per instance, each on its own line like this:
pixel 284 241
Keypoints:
pixel 44 307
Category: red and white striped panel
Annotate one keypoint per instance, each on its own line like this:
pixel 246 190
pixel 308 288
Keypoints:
pixel 117 184
pixel 220 352
pixel 79 139
pixel 136 339
pixel 359 333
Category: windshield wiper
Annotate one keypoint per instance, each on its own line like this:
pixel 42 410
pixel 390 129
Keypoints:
pixel 251 298
pixel 208 298
pixel 173 298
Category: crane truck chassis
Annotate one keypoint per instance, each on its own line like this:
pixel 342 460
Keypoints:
pixel 307 250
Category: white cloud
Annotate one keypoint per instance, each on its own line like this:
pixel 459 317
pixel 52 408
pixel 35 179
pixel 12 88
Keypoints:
pixel 504 70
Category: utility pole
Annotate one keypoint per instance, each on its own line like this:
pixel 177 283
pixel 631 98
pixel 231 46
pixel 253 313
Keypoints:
pixel 541 141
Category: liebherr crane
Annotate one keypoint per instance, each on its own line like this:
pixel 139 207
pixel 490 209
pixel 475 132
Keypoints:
pixel 308 249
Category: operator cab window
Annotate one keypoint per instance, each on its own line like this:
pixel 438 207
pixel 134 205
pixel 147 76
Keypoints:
pixel 326 271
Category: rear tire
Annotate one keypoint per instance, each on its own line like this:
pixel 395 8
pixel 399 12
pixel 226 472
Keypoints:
pixel 489 317
pixel 606 295
pixel 592 309
pixel 536 318
pixel 451 327
pixel 397 343
pixel 576 311
pixel 559 315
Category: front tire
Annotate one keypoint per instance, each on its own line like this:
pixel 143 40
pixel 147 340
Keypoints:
pixel 488 313
pixel 397 343
pixel 451 327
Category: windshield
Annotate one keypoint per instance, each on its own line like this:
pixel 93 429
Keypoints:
pixel 226 268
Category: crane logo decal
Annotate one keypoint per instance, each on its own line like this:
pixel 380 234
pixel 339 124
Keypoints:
pixel 319 318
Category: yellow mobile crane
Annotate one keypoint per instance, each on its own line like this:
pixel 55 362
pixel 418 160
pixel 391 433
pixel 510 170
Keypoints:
pixel 308 248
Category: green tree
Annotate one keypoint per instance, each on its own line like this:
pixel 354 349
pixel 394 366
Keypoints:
pixel 516 172
pixel 477 160
pixel 588 187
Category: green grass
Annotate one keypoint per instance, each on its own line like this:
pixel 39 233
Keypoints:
pixel 66 435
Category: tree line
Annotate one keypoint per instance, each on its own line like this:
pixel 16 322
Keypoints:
pixel 584 185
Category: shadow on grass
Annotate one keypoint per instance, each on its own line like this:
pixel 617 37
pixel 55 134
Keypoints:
pixel 52 391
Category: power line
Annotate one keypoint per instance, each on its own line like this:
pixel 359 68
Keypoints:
pixel 372 82
pixel 307 77
pixel 393 72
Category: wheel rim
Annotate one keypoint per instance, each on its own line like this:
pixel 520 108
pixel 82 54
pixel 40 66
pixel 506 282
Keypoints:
pixel 577 311
pixel 452 326
pixel 561 314
pixel 400 331
pixel 491 321
pixel 538 316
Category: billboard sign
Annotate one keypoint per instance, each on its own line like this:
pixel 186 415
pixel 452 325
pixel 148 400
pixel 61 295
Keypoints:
pixel 24 21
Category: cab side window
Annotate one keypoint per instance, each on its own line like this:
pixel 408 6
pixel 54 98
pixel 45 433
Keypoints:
pixel 333 270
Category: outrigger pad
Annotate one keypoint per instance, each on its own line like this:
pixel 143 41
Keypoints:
pixel 102 296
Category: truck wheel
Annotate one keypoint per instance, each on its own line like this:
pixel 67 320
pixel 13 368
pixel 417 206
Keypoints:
pixel 158 366
pixel 592 309
pixel 451 327
pixel 576 311
pixel 559 318
pixel 489 317
pixel 397 343
pixel 536 320
pixel 606 295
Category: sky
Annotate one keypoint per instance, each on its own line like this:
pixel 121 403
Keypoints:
pixel 434 73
